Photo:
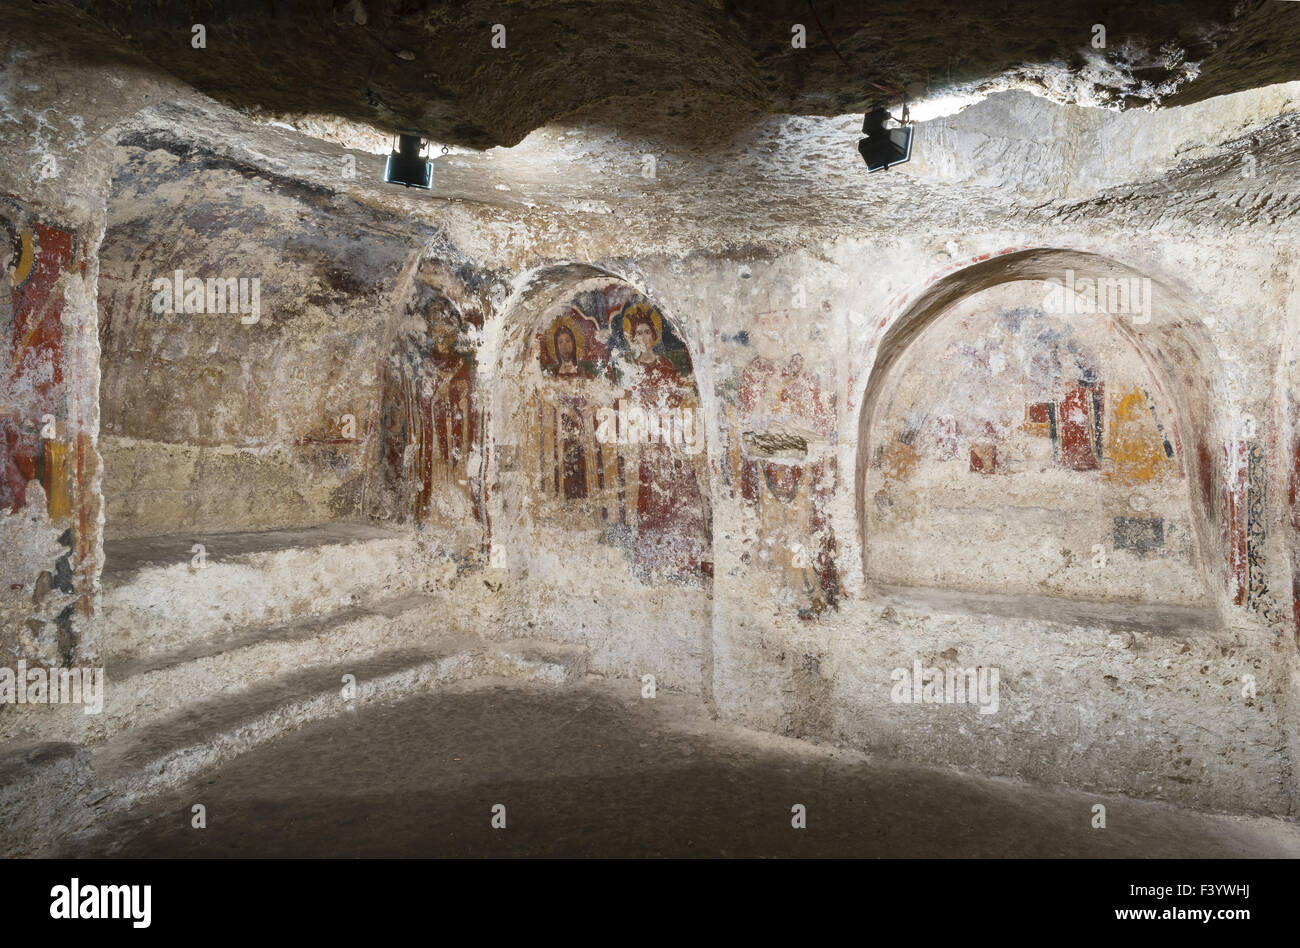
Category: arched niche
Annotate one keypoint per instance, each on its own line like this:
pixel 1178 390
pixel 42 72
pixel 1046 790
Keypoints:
pixel 1169 342
pixel 597 452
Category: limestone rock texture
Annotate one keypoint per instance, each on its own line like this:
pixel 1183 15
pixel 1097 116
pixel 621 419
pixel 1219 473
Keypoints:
pixel 479 74
pixel 656 372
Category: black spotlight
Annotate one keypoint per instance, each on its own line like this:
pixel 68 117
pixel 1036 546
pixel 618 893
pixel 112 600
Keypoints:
pixel 407 166
pixel 884 147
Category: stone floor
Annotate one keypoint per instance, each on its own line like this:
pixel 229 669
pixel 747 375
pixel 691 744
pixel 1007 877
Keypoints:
pixel 598 771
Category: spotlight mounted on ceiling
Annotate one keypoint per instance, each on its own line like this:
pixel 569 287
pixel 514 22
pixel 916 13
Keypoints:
pixel 407 165
pixel 884 146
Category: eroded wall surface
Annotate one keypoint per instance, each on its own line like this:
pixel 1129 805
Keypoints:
pixel 241 323
pixel 742 570
pixel 47 458
pixel 728 558
pixel 1037 459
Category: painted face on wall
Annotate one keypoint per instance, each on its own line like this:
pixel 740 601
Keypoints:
pixel 443 337
pixel 564 346
pixel 645 338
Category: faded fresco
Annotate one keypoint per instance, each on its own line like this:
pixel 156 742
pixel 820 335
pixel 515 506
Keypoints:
pixel 615 432
pixel 41 457
pixel 1040 436
pixel 31 311
pixel 276 422
pixel 430 418
pixel 779 464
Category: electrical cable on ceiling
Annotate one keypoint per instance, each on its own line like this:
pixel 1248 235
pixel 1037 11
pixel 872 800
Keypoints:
pixel 883 88
pixel 883 147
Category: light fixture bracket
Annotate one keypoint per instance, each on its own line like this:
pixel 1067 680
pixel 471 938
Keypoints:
pixel 885 147
pixel 407 165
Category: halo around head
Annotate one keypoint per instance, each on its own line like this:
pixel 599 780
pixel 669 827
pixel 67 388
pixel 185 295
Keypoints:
pixel 635 313
pixel 564 321
pixel 24 254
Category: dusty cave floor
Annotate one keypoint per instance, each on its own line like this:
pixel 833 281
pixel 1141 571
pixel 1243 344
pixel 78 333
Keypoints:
pixel 597 771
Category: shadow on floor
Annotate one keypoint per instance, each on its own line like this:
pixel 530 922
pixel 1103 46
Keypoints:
pixel 599 772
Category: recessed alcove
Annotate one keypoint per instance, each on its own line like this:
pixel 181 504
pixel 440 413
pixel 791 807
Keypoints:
pixel 598 457
pixel 1030 425
pixel 1020 450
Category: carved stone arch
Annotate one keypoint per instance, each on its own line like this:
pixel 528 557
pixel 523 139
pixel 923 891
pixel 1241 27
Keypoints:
pixel 1174 344
pixel 597 462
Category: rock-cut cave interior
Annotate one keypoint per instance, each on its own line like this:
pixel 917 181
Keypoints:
pixel 664 474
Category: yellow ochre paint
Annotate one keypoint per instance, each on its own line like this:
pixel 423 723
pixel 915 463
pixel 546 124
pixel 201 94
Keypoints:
pixel 1134 446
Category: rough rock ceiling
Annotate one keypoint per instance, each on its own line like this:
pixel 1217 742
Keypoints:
pixel 796 181
pixel 431 67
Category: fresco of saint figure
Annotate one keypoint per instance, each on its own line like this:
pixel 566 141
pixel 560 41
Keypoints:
pixel 428 417
pixel 565 349
pixel 37 257
pixel 672 528
pixel 615 416
pixel 564 357
pixel 573 449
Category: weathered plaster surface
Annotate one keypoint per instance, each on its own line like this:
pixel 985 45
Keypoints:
pixel 801 292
